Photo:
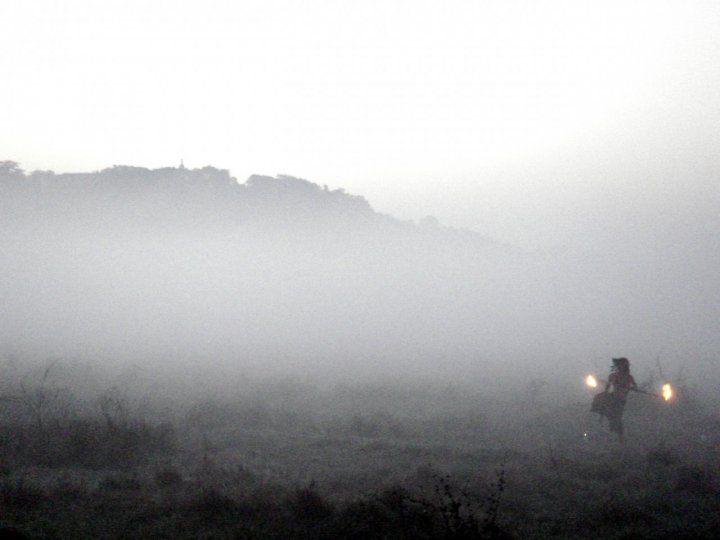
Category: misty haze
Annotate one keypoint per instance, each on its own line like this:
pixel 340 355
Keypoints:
pixel 342 270
pixel 174 329
pixel 186 267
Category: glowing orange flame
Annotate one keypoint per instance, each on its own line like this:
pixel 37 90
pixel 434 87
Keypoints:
pixel 591 381
pixel 667 392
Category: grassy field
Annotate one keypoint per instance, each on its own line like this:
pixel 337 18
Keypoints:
pixel 87 457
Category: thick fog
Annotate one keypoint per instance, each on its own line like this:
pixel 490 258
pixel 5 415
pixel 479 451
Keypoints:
pixel 419 329
pixel 192 271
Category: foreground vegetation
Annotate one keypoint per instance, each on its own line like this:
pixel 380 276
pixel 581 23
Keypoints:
pixel 88 456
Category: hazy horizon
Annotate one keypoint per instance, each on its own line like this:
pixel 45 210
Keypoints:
pixel 179 267
pixel 582 133
pixel 537 124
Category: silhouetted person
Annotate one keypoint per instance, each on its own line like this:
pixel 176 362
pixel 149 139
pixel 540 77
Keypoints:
pixel 611 402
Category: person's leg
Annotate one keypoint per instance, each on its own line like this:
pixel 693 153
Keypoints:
pixel 616 426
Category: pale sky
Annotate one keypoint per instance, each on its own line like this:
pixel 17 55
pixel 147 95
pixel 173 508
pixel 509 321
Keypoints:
pixel 512 118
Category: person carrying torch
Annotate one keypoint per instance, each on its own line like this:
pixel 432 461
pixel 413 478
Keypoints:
pixel 611 402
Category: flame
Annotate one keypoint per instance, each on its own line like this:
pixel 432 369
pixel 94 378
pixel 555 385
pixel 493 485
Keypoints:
pixel 667 392
pixel 591 381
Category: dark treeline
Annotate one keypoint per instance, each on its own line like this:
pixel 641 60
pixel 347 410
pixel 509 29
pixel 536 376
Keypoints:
pixel 187 197
pixel 194 197
pixel 190 264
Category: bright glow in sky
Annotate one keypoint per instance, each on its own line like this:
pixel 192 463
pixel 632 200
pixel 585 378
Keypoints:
pixel 465 110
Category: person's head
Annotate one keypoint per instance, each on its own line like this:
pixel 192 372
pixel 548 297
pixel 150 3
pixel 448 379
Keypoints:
pixel 621 364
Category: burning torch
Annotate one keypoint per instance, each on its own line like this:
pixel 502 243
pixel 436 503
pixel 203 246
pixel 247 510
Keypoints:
pixel 666 393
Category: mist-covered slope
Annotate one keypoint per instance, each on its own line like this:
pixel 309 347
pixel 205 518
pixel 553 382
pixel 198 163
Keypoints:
pixel 278 274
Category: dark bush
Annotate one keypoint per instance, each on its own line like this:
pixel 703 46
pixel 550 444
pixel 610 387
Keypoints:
pixel 662 455
pixel 168 477
pixel 20 496
pixel 120 483
pixel 308 505
pixel 694 479
pixel 618 511
pixel 367 520
pixel 85 442
pixel 212 504
pixel 11 533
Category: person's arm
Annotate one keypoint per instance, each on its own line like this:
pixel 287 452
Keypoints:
pixel 633 385
pixel 609 382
